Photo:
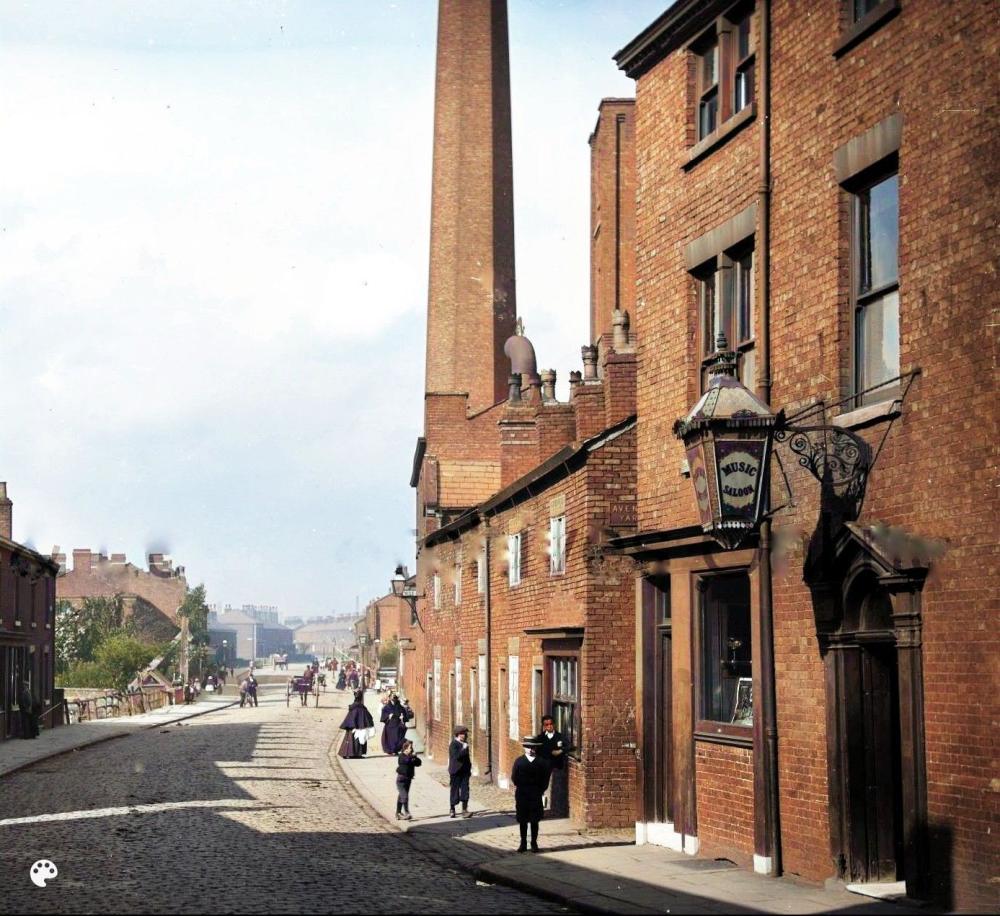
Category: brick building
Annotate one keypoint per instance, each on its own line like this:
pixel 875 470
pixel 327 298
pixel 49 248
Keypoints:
pixel 813 181
pixel 521 611
pixel 27 626
pixel 151 596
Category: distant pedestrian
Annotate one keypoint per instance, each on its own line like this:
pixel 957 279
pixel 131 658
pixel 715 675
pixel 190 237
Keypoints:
pixel 459 770
pixel 244 691
pixel 252 688
pixel 28 710
pixel 341 680
pixel 358 726
pixel 406 763
pixel 530 777
pixel 553 748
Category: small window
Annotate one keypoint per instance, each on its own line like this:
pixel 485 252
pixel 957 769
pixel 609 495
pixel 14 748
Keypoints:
pixel 483 709
pixel 437 592
pixel 458 583
pixel 557 545
pixel 724 69
pixel 564 682
pixel 514 559
pixel 481 573
pixel 875 290
pixel 726 663
pixel 513 695
pixel 459 711
pixel 437 689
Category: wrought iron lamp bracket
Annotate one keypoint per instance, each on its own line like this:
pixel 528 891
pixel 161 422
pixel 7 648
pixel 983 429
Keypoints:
pixel 838 458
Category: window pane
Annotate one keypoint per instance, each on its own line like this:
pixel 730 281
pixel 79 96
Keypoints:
pixel 743 37
pixel 744 298
pixel 878 344
pixel 743 90
pixel 748 368
pixel 725 651
pixel 707 287
pixel 708 114
pixel 878 234
pixel 863 7
pixel 708 67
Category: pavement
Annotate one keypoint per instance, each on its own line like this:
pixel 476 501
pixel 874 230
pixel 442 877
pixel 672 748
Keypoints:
pixel 17 753
pixel 237 811
pixel 590 872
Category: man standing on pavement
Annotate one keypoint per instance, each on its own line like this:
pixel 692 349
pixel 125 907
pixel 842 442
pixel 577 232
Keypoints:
pixel 459 770
pixel 530 776
pixel 252 688
pixel 552 749
pixel 29 717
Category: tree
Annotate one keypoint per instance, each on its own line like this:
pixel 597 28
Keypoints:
pixel 196 611
pixel 122 657
pixel 80 630
pixel 388 653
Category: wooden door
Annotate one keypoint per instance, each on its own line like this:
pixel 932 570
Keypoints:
pixel 880 722
pixel 665 744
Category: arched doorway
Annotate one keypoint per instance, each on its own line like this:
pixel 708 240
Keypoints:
pixel 868 617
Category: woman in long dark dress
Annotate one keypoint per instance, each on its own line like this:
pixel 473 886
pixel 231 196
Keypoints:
pixel 394 733
pixel 341 680
pixel 356 725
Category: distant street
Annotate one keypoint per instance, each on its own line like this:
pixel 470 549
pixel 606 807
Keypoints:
pixel 236 811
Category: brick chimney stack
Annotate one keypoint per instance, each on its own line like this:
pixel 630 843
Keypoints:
pixel 6 513
pixel 471 303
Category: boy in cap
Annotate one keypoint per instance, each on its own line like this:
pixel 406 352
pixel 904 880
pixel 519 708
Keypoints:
pixel 530 776
pixel 459 770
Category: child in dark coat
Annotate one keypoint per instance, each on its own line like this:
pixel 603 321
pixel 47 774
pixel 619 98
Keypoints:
pixel 407 762
pixel 531 778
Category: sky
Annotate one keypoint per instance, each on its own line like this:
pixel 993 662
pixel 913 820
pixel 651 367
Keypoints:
pixel 214 223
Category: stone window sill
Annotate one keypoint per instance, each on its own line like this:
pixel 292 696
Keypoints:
pixel 869 415
pixel 734 736
pixel 864 27
pixel 720 136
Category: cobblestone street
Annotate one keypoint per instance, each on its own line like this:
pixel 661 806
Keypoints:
pixel 237 811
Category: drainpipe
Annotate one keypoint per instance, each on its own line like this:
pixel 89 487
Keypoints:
pixel 771 863
pixel 489 660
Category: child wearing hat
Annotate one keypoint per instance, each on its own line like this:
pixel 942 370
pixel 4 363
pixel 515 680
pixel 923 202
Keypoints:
pixel 530 776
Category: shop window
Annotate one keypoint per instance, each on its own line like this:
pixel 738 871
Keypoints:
pixel 557 545
pixel 726 692
pixel 875 289
pixel 564 702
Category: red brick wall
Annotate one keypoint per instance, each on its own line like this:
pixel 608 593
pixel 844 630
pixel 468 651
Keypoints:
pixel 612 214
pixel 725 801
pixel 931 65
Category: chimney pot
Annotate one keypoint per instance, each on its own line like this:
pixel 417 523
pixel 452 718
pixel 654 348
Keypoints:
pixel 548 385
pixel 589 354
pixel 514 397
pixel 6 513
pixel 620 325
